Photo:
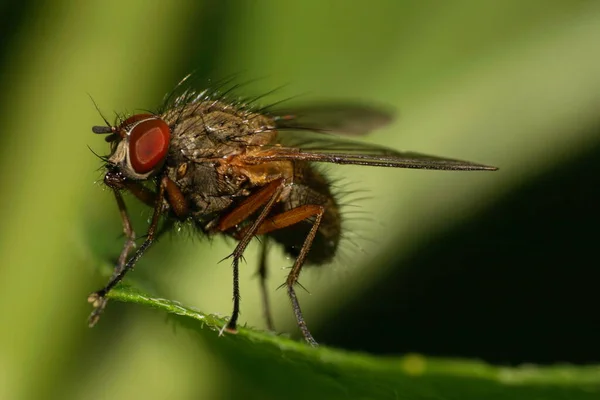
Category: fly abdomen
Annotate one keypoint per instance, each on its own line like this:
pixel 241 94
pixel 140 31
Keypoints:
pixel 311 188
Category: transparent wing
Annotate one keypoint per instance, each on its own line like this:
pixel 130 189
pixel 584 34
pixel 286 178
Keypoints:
pixel 331 149
pixel 349 118
pixel 328 142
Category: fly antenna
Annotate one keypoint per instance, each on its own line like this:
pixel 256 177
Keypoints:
pixel 101 129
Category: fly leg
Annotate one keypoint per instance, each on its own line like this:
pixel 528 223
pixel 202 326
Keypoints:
pixel 127 230
pixel 294 274
pixel 267 197
pixel 127 247
pixel 262 275
pixel 286 219
pixel 98 299
pixel 118 182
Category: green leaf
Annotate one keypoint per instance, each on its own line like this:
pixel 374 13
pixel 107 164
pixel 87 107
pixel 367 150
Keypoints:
pixel 279 367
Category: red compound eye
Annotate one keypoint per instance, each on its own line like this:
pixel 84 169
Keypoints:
pixel 148 143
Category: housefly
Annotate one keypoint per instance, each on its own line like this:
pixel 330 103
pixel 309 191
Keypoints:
pixel 235 169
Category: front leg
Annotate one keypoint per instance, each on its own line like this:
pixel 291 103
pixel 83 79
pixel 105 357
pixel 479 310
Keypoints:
pixel 100 304
pixel 98 298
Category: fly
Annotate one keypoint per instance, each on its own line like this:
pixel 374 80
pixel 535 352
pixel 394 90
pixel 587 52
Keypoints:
pixel 242 171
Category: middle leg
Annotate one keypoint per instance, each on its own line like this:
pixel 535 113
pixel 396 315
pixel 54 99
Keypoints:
pixel 262 275
pixel 286 219
pixel 267 197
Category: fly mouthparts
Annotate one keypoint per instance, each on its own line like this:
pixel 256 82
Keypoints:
pixel 102 129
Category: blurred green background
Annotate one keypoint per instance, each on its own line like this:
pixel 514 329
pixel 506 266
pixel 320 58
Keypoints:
pixel 514 84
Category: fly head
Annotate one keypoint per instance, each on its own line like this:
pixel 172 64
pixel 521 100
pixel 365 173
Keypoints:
pixel 139 146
